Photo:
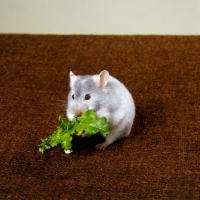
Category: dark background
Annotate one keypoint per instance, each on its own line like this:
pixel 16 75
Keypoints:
pixel 160 160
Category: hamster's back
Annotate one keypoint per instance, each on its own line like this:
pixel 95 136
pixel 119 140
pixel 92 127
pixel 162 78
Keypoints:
pixel 121 100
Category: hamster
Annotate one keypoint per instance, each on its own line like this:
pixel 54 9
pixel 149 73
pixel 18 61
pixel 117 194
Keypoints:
pixel 108 97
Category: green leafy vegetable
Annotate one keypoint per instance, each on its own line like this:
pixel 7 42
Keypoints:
pixel 87 122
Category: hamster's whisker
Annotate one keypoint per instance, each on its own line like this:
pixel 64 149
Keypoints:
pixel 59 100
pixel 62 101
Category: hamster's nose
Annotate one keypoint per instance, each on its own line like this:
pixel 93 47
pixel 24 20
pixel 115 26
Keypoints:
pixel 78 111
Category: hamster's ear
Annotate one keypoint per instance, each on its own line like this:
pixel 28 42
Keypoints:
pixel 72 77
pixel 102 79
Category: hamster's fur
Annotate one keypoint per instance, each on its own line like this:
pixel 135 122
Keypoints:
pixel 108 97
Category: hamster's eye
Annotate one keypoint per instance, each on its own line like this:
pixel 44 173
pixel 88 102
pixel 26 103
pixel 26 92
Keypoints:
pixel 87 97
pixel 73 96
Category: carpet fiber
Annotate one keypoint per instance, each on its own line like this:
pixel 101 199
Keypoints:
pixel 161 158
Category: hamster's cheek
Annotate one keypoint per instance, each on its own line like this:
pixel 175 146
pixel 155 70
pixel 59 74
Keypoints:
pixel 92 106
pixel 70 116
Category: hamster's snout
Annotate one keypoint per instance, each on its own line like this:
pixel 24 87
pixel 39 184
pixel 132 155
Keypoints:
pixel 78 111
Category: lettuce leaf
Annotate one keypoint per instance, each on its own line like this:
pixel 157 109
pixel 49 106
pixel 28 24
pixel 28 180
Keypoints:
pixel 87 122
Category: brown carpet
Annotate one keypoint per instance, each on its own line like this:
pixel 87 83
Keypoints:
pixel 160 160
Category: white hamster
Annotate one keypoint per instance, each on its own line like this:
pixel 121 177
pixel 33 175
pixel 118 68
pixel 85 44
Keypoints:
pixel 108 97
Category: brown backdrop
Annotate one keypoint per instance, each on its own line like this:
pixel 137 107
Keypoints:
pixel 160 160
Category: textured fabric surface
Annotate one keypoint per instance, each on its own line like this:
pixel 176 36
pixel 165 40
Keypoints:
pixel 161 158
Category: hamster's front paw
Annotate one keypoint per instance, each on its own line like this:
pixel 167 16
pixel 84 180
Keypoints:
pixel 101 146
pixel 84 134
